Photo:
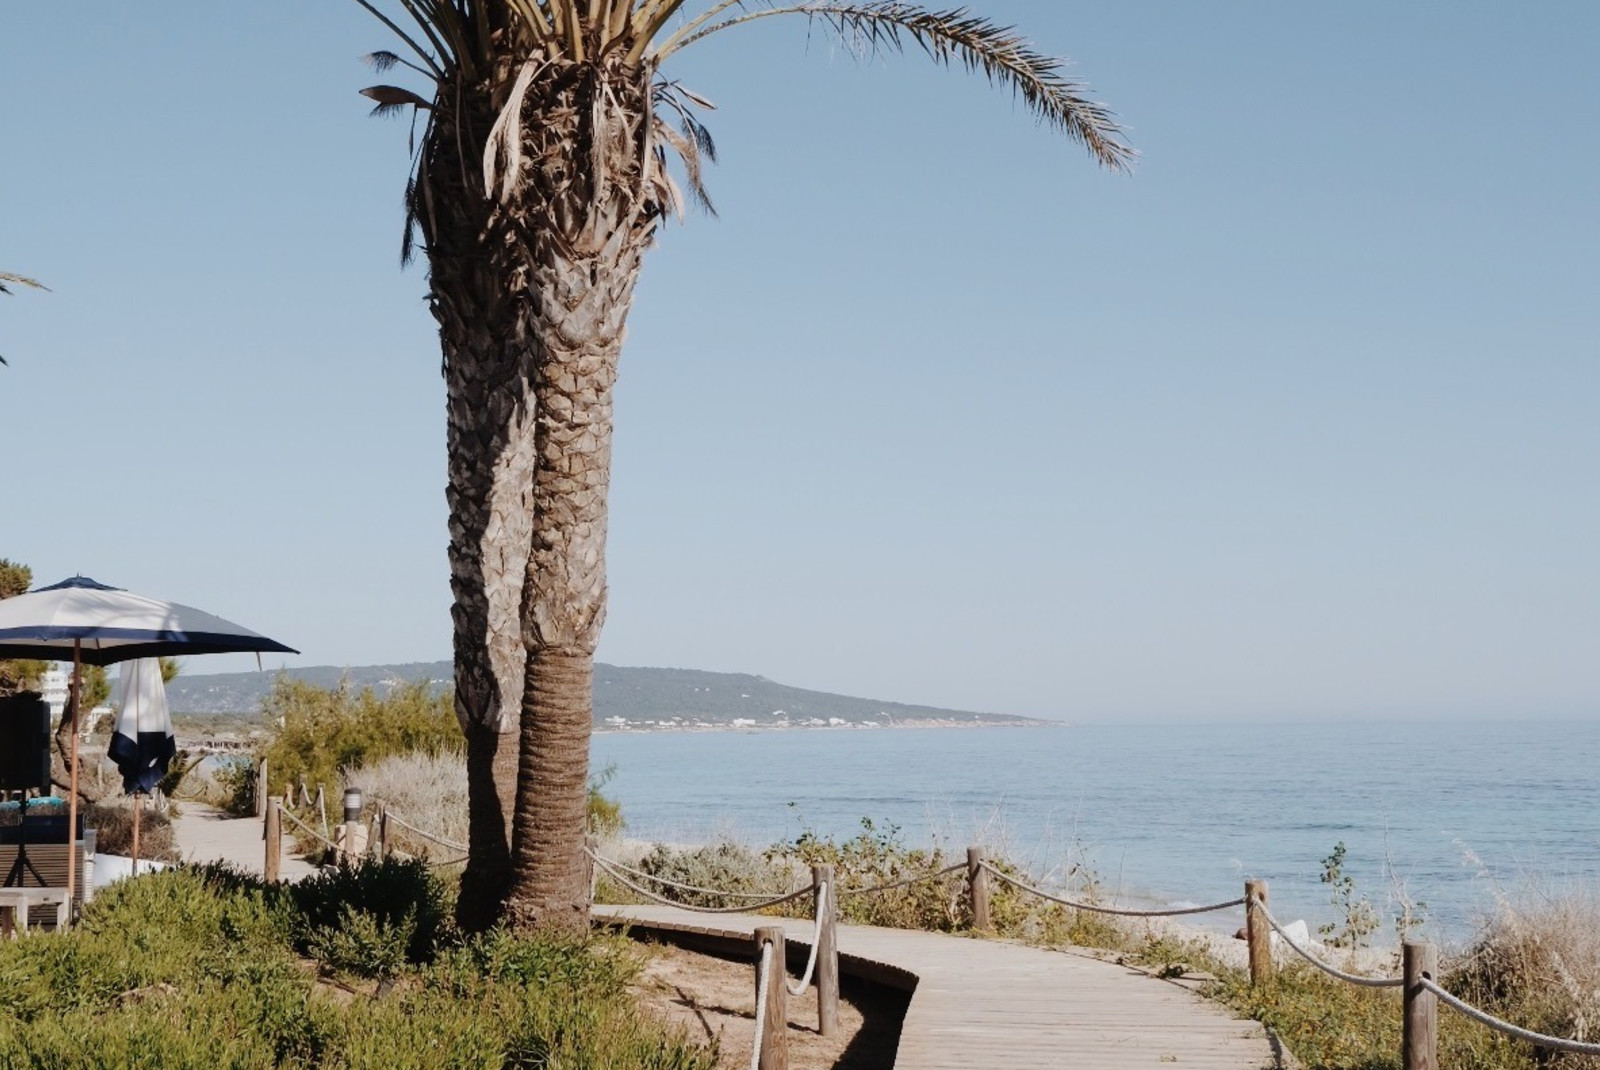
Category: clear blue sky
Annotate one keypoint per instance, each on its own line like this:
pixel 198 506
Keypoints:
pixel 1298 421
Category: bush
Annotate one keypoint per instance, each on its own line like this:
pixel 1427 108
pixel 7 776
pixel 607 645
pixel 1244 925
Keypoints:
pixel 384 903
pixel 322 731
pixel 112 821
pixel 723 867
pixel 196 969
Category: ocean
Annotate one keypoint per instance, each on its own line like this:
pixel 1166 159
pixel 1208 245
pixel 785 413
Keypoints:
pixel 1457 816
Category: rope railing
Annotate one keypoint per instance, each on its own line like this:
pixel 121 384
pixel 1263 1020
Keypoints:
pixel 1121 912
pixel 763 982
pixel 290 814
pixel 440 840
pixel 816 942
pixel 612 863
pixel 605 864
pixel 1500 1025
pixel 1330 970
pixel 890 886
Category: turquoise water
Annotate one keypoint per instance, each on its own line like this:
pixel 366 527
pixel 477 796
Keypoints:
pixel 1463 813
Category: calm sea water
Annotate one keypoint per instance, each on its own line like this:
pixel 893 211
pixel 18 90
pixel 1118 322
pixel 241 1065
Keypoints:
pixel 1459 814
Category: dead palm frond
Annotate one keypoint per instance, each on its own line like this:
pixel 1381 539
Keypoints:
pixel 17 280
pixel 461 45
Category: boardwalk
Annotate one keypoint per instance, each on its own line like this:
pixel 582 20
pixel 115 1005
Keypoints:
pixel 983 1003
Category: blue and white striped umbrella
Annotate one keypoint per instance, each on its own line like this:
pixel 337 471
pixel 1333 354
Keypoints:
pixel 110 625
pixel 142 743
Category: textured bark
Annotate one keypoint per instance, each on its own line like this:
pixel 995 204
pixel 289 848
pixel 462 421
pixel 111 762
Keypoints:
pixel 531 291
pixel 550 886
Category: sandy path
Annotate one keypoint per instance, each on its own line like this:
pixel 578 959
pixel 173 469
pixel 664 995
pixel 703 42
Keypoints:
pixel 206 834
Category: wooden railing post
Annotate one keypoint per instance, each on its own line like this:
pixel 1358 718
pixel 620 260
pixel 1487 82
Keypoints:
pixel 384 843
pixel 261 789
pixel 1419 1045
pixel 827 950
pixel 774 1038
pixel 978 888
pixel 1258 931
pixel 591 875
pixel 274 838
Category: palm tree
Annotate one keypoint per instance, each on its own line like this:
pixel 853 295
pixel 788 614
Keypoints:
pixel 540 179
pixel 17 280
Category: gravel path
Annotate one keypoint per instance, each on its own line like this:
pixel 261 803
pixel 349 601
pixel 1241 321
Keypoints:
pixel 205 834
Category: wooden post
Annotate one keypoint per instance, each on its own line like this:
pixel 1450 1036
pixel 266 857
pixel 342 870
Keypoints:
pixel 1258 931
pixel 1419 1046
pixel 384 844
pixel 978 888
pixel 591 875
pixel 774 1038
pixel 827 950
pixel 137 807
pixel 271 865
pixel 322 811
pixel 72 776
pixel 261 789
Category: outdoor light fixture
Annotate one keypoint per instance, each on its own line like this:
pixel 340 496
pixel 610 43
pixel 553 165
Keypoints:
pixel 352 805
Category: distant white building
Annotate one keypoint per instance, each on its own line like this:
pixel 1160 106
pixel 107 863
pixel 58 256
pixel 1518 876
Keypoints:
pixel 56 680
pixel 56 684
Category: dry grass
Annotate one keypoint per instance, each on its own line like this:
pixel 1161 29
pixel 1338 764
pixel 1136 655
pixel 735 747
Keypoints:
pixel 426 790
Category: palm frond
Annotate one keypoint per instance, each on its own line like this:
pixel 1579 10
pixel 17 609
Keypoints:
pixel 956 36
pixel 18 280
pixel 392 100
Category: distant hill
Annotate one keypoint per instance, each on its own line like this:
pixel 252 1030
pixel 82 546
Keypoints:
pixel 624 698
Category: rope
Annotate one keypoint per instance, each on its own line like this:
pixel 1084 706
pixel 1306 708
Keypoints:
pixel 1118 911
pixel 816 942
pixel 290 815
pixel 1502 1026
pixel 440 840
pixel 450 861
pixel 763 979
pixel 1331 971
pixel 613 864
pixel 745 909
pixel 843 892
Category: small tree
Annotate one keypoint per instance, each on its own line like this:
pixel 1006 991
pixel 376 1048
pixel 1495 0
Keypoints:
pixel 15 579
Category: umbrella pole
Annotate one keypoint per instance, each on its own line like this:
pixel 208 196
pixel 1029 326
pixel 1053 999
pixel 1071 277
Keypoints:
pixel 72 778
pixel 138 805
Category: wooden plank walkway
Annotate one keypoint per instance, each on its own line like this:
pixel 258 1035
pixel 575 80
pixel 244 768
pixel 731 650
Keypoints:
pixel 987 1003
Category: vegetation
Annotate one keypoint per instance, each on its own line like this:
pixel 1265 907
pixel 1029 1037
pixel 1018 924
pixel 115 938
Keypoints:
pixel 1358 920
pixel 208 968
pixel 15 579
pixel 539 183
pixel 319 732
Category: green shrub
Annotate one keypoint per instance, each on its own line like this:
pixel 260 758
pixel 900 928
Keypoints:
pixel 725 867
pixel 380 902
pixel 196 969
pixel 323 731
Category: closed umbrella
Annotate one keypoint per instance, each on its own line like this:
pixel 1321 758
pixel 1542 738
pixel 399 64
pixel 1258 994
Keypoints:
pixel 142 742
pixel 93 623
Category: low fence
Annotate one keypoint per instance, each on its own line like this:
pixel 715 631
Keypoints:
pixel 1421 992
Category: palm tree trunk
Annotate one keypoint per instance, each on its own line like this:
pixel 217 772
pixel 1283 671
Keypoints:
pixel 490 430
pixel 531 292
pixel 585 296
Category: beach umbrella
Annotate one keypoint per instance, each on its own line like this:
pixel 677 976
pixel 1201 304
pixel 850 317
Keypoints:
pixel 85 622
pixel 142 741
